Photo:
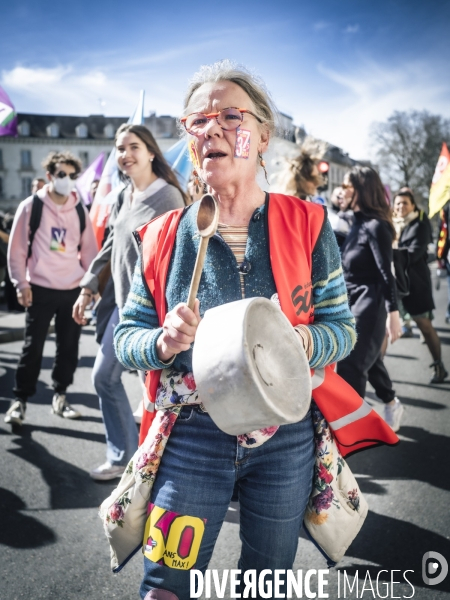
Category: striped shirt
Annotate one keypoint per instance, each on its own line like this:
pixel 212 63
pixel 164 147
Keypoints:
pixel 236 238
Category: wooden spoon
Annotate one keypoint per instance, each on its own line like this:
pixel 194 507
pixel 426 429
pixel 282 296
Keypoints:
pixel 207 221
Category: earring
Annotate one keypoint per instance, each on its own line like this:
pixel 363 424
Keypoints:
pixel 262 162
pixel 196 180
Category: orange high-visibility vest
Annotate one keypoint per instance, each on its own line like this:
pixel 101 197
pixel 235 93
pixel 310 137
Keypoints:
pixel 294 227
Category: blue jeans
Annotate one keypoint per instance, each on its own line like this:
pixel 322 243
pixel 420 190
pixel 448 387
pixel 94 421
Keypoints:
pixel 121 430
pixel 200 469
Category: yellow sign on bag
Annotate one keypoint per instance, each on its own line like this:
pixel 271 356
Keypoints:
pixel 172 539
pixel 440 186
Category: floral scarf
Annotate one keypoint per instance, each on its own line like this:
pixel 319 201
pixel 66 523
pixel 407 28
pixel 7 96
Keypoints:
pixel 177 389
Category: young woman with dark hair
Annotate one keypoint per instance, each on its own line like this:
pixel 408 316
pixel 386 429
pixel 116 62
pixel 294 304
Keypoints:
pixel 152 189
pixel 366 261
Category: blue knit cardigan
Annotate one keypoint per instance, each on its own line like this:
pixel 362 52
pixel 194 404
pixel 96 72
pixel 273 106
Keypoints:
pixel 333 330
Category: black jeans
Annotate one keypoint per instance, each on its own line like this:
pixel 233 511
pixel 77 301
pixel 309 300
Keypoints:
pixel 380 381
pixel 46 304
pixel 365 362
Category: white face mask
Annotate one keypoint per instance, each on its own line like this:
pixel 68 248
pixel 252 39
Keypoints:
pixel 63 186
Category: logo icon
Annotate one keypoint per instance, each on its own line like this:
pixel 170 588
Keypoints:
pixel 58 239
pixel 302 301
pixel 434 568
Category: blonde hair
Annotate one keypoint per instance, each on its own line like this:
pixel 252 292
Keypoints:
pixel 297 172
pixel 253 86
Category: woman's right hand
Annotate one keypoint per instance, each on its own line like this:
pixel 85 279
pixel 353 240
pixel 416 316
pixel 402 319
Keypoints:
pixel 393 326
pixel 179 329
pixel 79 307
pixel 25 297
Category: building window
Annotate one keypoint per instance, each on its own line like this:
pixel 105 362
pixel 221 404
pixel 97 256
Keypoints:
pixel 84 157
pixel 109 131
pixel 24 129
pixel 1 187
pixel 26 186
pixel 25 159
pixel 53 130
pixel 81 130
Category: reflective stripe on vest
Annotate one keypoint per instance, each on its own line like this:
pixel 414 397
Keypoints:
pixel 357 414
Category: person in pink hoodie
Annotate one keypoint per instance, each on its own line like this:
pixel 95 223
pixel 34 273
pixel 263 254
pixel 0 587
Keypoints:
pixel 47 282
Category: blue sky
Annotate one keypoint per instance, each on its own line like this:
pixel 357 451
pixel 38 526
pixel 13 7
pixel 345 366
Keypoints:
pixel 335 67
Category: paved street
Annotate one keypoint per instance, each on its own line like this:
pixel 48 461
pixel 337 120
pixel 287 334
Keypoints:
pixel 52 542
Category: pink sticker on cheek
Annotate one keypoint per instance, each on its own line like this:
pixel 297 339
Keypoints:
pixel 242 146
pixel 194 154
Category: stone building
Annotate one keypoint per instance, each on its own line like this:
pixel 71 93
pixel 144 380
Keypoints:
pixel 86 137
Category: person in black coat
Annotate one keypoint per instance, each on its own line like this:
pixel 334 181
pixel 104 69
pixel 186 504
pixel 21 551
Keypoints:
pixel 442 250
pixel 366 261
pixel 414 233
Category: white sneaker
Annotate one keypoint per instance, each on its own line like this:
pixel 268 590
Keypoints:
pixel 393 414
pixel 107 471
pixel 139 413
pixel 62 408
pixel 16 413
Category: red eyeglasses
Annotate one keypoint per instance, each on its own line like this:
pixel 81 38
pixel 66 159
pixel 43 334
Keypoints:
pixel 228 119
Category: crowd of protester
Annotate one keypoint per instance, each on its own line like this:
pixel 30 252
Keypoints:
pixel 360 215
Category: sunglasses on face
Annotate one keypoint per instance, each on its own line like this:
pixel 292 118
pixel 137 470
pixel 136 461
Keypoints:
pixel 63 174
pixel 228 119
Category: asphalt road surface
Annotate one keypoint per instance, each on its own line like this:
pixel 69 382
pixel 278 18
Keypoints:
pixel 51 540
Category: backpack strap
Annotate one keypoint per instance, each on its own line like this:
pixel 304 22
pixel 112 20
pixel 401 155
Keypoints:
pixel 35 219
pixel 82 217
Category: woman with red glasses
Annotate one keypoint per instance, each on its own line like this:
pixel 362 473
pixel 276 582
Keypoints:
pixel 228 121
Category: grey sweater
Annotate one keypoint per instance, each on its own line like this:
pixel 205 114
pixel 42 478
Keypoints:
pixel 120 246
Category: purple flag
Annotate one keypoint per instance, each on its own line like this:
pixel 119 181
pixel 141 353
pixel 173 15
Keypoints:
pixel 8 115
pixel 92 173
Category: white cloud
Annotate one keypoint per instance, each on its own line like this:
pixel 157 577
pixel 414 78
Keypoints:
pixel 116 76
pixel 320 25
pixel 23 78
pixel 370 92
pixel 65 90
pixel 352 28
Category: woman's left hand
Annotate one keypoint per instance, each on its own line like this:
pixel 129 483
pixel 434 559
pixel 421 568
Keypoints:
pixel 80 305
pixel 393 326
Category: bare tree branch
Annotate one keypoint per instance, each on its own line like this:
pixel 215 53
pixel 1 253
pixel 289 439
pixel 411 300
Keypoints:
pixel 407 148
